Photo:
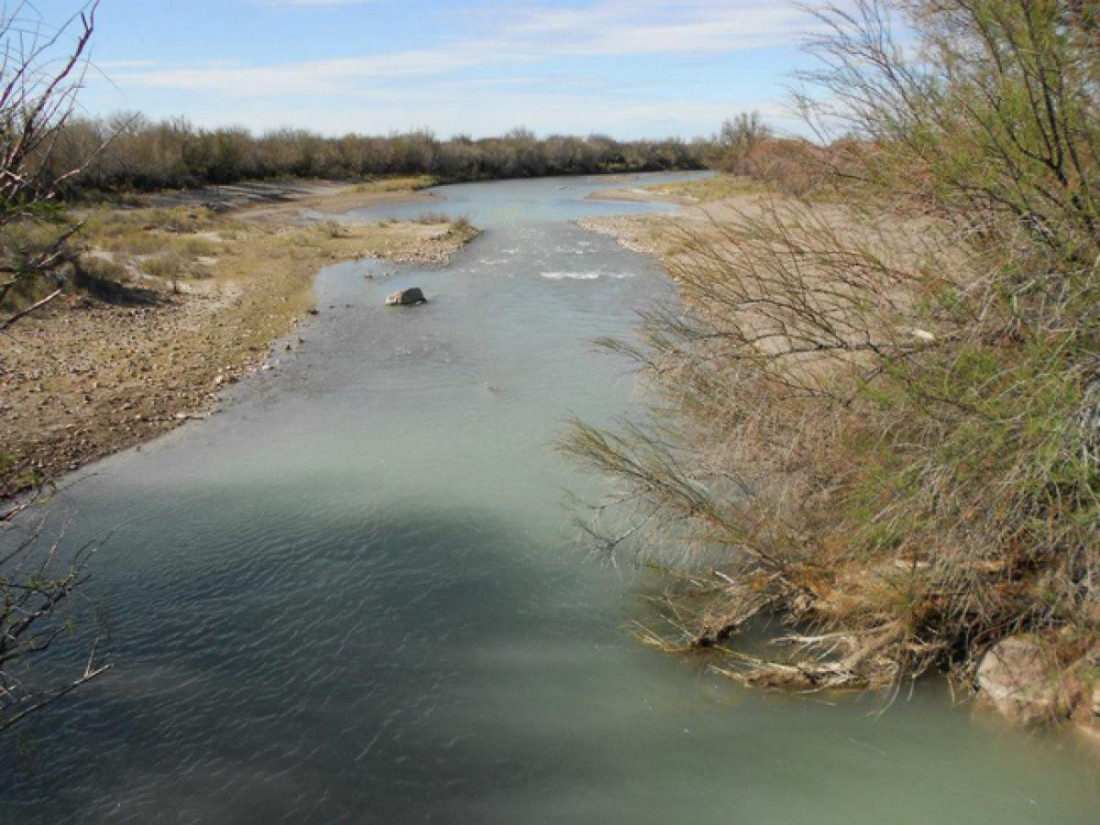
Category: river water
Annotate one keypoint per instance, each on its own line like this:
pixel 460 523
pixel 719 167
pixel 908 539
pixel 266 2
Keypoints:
pixel 354 595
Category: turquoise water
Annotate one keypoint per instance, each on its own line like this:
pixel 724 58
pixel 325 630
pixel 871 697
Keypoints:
pixel 355 596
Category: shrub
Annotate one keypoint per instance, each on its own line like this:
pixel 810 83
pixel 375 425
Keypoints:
pixel 169 266
pixel 880 418
pixel 334 229
pixel 736 139
pixel 432 218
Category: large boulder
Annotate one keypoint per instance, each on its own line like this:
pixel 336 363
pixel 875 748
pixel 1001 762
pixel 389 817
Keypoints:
pixel 406 297
pixel 1017 677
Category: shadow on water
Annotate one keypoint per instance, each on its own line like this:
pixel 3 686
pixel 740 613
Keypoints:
pixel 346 651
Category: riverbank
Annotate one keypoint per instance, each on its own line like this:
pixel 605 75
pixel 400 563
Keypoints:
pixel 1048 678
pixel 707 203
pixel 179 297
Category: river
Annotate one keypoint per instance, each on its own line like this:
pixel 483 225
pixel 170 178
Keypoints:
pixel 355 595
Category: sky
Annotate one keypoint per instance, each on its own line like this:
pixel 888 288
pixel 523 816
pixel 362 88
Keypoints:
pixel 627 68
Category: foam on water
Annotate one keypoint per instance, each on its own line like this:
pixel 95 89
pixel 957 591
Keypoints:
pixel 572 276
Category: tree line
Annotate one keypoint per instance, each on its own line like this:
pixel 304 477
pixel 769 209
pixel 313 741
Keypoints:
pixel 135 153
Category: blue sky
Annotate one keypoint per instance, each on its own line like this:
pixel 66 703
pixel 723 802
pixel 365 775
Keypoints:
pixel 629 68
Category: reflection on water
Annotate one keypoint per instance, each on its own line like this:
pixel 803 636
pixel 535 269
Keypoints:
pixel 352 597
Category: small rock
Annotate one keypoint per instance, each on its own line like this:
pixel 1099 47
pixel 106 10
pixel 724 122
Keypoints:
pixel 406 297
pixel 266 368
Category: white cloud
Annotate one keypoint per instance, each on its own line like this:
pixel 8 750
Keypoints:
pixel 107 65
pixel 309 3
pixel 405 86
pixel 608 28
pixel 323 77
pixel 614 27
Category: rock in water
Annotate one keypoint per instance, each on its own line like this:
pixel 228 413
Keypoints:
pixel 406 297
pixel 1017 678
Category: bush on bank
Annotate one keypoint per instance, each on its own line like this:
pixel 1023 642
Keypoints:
pixel 880 420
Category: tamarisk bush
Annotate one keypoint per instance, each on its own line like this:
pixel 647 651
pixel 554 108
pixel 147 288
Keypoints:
pixel 878 419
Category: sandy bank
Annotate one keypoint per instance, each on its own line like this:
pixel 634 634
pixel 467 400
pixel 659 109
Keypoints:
pixel 198 286
pixel 638 195
pixel 264 199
